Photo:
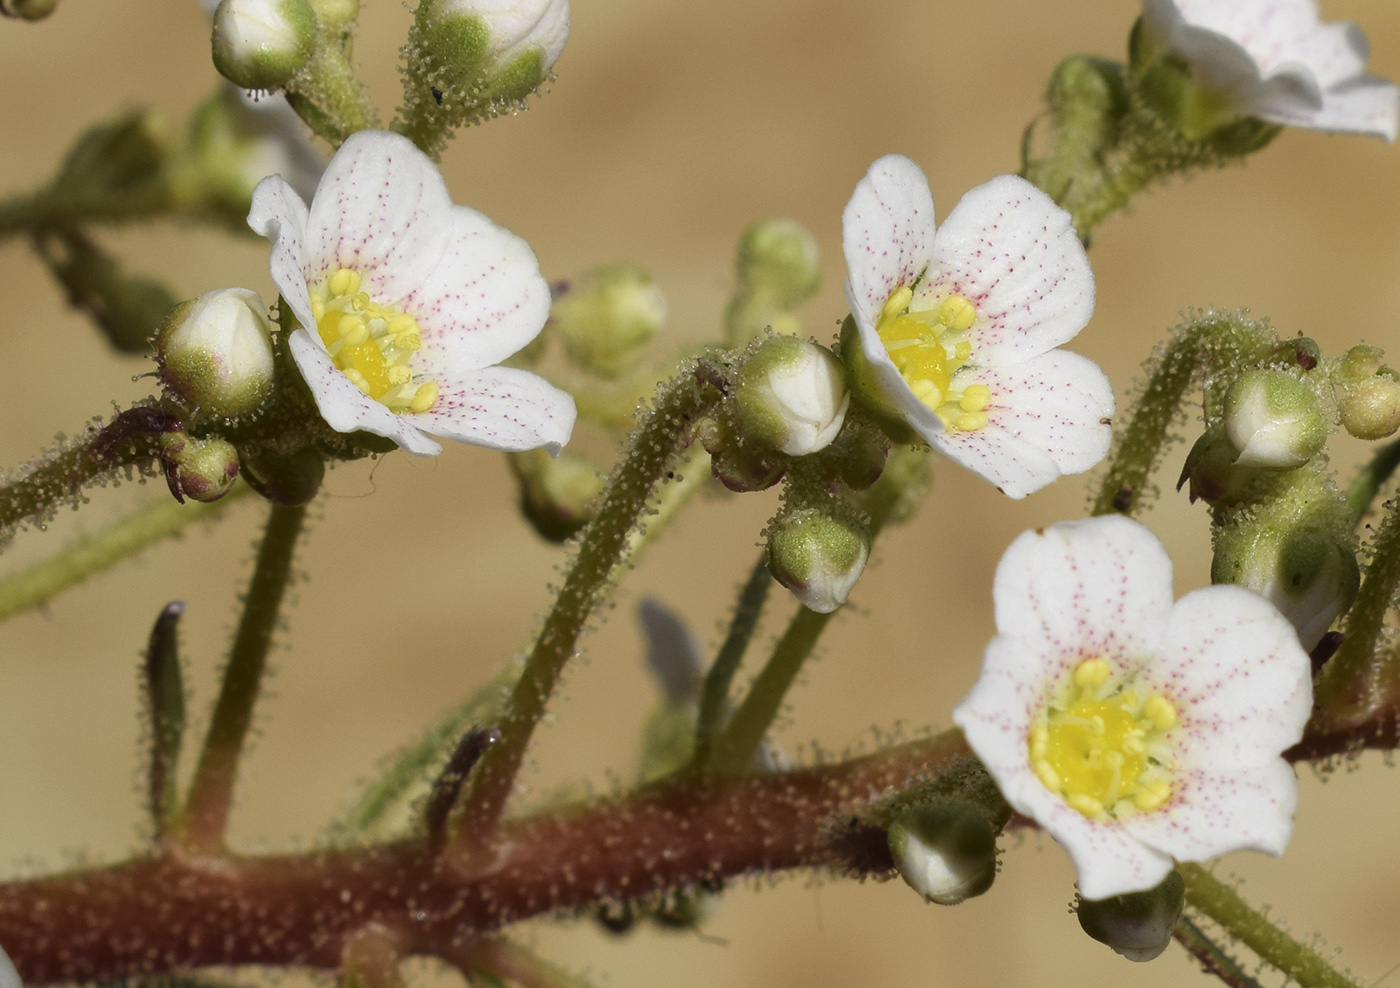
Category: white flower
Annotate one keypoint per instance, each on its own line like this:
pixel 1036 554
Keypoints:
pixel 957 331
pixel 1136 731
pixel 406 303
pixel 1273 59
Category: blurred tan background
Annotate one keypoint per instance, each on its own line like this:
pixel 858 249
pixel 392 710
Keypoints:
pixel 671 126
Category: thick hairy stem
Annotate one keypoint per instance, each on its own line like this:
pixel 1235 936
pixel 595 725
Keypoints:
pixel 665 433
pixel 205 815
pixel 1299 962
pixel 129 439
pixel 176 912
pixel 1142 440
pixel 91 554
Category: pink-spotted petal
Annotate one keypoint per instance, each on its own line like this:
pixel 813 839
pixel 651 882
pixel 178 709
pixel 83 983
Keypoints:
pixel 1211 813
pixel 1011 465
pixel 345 407
pixel 1100 587
pixel 382 209
pixel 1241 683
pixel 483 301
pixel 887 234
pixel 501 408
pixel 1013 253
pixel 1059 403
pixel 1363 106
pixel 279 215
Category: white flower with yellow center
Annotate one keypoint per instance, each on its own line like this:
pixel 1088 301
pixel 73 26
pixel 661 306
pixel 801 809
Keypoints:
pixel 1275 60
pixel 1136 731
pixel 956 330
pixel 407 302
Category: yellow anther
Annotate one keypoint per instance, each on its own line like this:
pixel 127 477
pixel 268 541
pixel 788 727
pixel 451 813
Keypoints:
pixel 925 390
pixel 897 302
pixel 970 421
pixel 1160 711
pixel 318 309
pixel 1049 778
pixel 1152 795
pixel 1087 805
pixel 957 313
pixel 963 351
pixel 399 374
pixel 425 396
pixel 357 379
pixel 975 397
pixel 1092 673
pixel 344 282
pixel 402 323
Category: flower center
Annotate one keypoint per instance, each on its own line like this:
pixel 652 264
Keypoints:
pixel 1107 750
pixel 371 343
pixel 927 348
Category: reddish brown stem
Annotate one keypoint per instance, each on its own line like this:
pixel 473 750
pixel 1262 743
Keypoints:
pixel 177 912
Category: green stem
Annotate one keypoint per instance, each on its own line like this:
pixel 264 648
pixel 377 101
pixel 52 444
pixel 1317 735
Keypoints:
pixel 206 812
pixel 129 439
pixel 662 436
pixel 1216 339
pixel 734 750
pixel 714 698
pixel 1223 904
pixel 90 555
pixel 1211 955
pixel 330 99
pixel 1363 678
pixel 1371 479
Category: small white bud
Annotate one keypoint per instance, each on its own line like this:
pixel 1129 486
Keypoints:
pixel 1274 421
pixel 215 353
pixel 261 44
pixel 818 556
pixel 791 396
pixel 946 852
pixel 1137 925
pixel 506 46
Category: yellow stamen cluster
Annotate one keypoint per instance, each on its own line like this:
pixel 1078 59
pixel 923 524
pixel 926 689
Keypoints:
pixel 371 343
pixel 1105 750
pixel 926 349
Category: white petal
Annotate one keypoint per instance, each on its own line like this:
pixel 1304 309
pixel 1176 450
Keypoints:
pixel 345 407
pixel 501 408
pixel 887 234
pixel 278 214
pixel 1013 253
pixel 483 301
pixel 1081 589
pixel 1214 813
pixel 1057 405
pixel 1364 106
pixel 1241 683
pixel 383 210
pixel 995 718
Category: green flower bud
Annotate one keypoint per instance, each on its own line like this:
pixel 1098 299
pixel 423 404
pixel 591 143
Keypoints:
pixel 1273 421
pixel 482 51
pixel 557 496
pixel 607 316
pixel 28 10
pixel 1370 409
pixel 198 469
pixel 1310 575
pixel 945 851
pixel 818 554
pixel 1361 362
pixel 1211 472
pixel 215 353
pixel 261 44
pixel 1137 925
pixel 779 259
pixel 790 396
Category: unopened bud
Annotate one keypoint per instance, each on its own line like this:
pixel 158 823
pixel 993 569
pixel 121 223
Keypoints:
pixel 607 316
pixel 738 463
pixel 945 851
pixel 1137 925
pixel 818 555
pixel 791 396
pixel 1310 575
pixel 1210 472
pixel 215 353
pixel 485 50
pixel 557 496
pixel 198 469
pixel 779 258
pixel 1370 409
pixel 1273 421
pixel 1361 362
pixel 261 44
